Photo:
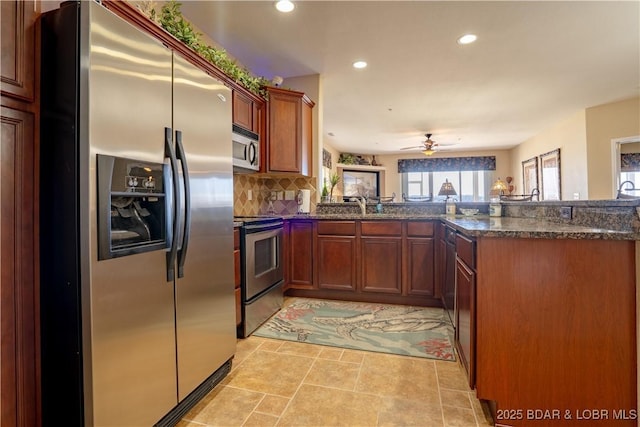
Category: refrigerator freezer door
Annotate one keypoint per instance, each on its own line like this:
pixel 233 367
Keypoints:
pixel 205 300
pixel 130 314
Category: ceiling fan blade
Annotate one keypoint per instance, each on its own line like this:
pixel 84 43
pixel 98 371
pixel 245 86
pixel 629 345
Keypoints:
pixel 413 148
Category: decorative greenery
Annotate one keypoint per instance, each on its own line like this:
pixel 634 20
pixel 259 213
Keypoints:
pixel 334 179
pixel 346 159
pixel 325 191
pixel 173 22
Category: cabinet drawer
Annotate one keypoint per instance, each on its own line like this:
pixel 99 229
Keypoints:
pixel 381 228
pixel 466 250
pixel 337 228
pixel 420 229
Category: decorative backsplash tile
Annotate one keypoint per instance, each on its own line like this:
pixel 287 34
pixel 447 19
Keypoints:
pixel 252 194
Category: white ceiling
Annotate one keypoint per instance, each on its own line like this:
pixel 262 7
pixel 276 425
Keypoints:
pixel 534 64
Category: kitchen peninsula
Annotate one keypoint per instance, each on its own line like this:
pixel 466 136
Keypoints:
pixel 545 307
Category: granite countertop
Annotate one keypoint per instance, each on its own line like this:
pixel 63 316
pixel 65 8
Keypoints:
pixel 485 226
pixel 532 228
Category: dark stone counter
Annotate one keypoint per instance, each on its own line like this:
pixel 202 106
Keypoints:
pixel 590 219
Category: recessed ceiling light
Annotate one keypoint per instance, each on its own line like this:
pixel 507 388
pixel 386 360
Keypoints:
pixel 285 6
pixel 467 38
pixel 359 64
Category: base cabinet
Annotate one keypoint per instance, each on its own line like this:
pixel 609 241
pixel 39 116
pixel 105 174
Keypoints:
pixel 465 318
pixel 420 260
pixel 337 262
pixel 556 329
pixel 300 254
pixel 237 265
pixel 381 264
pixel 368 260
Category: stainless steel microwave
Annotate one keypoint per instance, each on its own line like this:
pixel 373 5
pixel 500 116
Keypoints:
pixel 246 150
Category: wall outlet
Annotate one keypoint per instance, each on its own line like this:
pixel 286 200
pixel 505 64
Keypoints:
pixel 280 195
pixel 566 212
pixel 249 194
pixel 289 195
pixel 576 196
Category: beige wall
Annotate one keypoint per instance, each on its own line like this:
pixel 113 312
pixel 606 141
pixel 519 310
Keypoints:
pixel 324 174
pixel 568 135
pixel 604 123
pixel 392 177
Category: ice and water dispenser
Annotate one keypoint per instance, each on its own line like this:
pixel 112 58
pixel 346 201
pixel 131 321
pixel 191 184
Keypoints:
pixel 133 212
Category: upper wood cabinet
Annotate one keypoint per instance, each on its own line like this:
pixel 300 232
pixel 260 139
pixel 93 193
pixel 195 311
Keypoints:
pixel 290 132
pixel 248 112
pixel 18 48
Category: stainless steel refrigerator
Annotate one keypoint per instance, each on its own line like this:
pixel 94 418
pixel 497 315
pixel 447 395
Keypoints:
pixel 136 225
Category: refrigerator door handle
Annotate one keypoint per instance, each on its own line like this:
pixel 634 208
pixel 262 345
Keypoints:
pixel 182 253
pixel 171 255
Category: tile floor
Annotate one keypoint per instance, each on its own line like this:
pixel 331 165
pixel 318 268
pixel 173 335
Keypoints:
pixel 282 383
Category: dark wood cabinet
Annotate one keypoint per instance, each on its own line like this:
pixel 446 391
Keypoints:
pixel 465 318
pixel 289 132
pixel 19 293
pixel 237 264
pixel 336 262
pixel 381 256
pixel 371 260
pixel 300 254
pixel 465 308
pixel 556 327
pixel 419 275
pixel 18 48
pixel 248 111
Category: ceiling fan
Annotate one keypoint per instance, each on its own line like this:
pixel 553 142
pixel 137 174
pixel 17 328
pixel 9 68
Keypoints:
pixel 428 146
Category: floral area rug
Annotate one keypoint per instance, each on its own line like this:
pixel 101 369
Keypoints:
pixel 395 329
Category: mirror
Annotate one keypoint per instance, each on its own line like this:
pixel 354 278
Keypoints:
pixel 629 148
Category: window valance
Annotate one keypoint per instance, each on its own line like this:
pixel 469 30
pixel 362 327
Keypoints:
pixel 486 163
pixel 630 162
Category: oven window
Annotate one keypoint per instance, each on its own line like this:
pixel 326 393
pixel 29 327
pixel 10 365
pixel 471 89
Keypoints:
pixel 266 255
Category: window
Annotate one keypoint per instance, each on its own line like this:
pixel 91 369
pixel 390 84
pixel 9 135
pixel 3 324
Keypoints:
pixel 471 186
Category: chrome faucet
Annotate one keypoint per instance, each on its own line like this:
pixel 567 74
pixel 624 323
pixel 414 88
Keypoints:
pixel 362 202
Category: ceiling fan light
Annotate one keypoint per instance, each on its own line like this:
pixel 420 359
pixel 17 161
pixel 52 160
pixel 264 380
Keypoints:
pixel 428 152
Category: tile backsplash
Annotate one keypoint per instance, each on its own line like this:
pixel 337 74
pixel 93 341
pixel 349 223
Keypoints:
pixel 253 192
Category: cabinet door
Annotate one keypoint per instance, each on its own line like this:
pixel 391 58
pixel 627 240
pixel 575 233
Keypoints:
pixel 465 318
pixel 285 150
pixel 420 267
pixel 18 352
pixel 242 111
pixel 337 262
pixel 238 274
pixel 300 254
pixel 18 48
pixel 381 264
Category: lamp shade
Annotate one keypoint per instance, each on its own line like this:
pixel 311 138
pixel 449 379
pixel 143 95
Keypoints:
pixel 498 187
pixel 447 189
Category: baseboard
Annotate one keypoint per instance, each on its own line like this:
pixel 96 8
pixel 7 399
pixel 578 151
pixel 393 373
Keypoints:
pixel 177 413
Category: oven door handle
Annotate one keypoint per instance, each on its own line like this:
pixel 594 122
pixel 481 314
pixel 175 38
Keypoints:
pixel 182 252
pixel 171 255
pixel 258 228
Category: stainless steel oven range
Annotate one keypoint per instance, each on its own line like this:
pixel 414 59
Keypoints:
pixel 262 274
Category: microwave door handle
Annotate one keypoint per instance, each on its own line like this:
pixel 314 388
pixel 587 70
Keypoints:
pixel 182 253
pixel 252 153
pixel 171 255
